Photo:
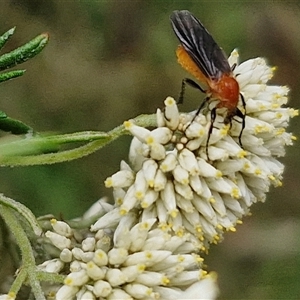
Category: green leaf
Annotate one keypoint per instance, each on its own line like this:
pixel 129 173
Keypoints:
pixel 24 52
pixel 4 37
pixel 2 114
pixel 28 269
pixel 26 152
pixel 10 75
pixel 23 211
pixel 14 126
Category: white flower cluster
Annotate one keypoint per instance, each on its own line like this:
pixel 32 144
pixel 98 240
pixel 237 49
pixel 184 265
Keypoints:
pixel 171 178
pixel 173 201
pixel 135 260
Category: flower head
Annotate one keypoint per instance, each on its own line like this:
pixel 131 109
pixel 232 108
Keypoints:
pixel 172 201
pixel 131 260
pixel 172 179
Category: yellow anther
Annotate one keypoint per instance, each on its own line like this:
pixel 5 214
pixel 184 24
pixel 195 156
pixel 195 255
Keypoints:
pixel 169 101
pixel 219 174
pixel 123 211
pixel 108 182
pixel 257 172
pixel 235 193
pixel 127 124
pixel 212 200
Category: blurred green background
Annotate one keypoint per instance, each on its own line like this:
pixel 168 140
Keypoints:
pixel 108 61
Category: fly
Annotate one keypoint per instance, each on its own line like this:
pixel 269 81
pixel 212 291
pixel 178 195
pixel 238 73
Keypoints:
pixel 201 56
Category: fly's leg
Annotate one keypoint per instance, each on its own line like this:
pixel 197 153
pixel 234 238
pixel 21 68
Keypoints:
pixel 200 108
pixel 191 83
pixel 242 116
pixel 195 85
pixel 213 115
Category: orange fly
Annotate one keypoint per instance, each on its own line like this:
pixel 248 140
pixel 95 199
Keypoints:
pixel 200 55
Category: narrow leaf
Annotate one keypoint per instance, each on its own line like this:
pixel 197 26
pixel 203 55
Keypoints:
pixel 25 212
pixel 14 126
pixel 4 37
pixel 24 52
pixel 10 75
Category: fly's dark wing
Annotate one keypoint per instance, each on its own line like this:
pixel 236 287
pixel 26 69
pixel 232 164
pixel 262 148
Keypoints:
pixel 199 44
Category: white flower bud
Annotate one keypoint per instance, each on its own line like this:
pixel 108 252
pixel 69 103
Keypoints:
pixel 157 151
pixel 140 185
pixel 88 244
pixel 204 289
pixel 168 196
pixel 204 207
pixel 130 201
pixel 77 253
pixel 171 113
pixel 148 258
pixel 66 255
pixel 138 290
pixel 117 294
pixel 195 143
pixel 188 161
pixel 120 179
pixel 184 190
pixel 87 295
pixel 79 278
pixel 161 135
pixel 66 292
pixel 61 228
pixel 102 288
pixel 87 256
pixel 169 163
pixel 136 156
pixel 76 266
pixel 100 258
pixel 116 277
pixel 160 118
pixel 233 59
pixel 195 130
pixel 140 132
pixel 125 166
pixel 152 279
pixel 95 272
pixel 117 256
pixel 108 220
pixel 139 234
pixel 149 170
pixel 58 241
pixel 207 170
pixel 54 266
pixel 181 175
pixel 149 198
pixel 160 181
pixel 98 208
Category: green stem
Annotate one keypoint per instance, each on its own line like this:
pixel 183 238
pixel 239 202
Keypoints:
pixel 23 211
pixel 50 277
pixel 18 282
pixel 52 158
pixel 28 261
pixel 97 140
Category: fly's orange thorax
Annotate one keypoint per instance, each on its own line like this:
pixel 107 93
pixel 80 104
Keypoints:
pixel 227 90
pixel 189 65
